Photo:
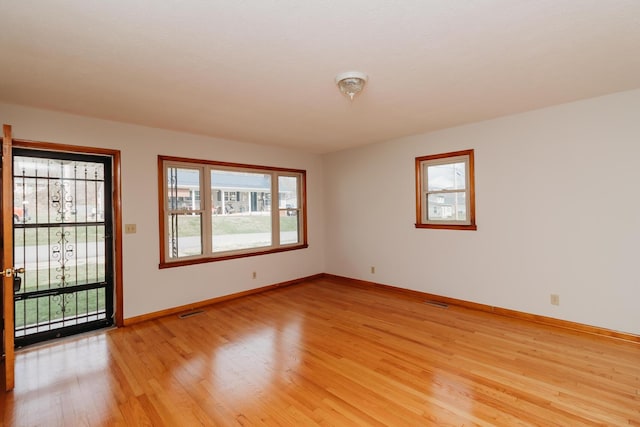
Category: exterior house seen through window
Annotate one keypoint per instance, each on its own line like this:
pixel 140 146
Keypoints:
pixel 211 211
pixel 445 193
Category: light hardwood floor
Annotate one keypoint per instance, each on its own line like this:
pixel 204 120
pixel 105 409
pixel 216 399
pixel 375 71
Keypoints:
pixel 324 353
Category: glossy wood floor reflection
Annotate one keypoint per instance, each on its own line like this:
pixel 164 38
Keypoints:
pixel 323 353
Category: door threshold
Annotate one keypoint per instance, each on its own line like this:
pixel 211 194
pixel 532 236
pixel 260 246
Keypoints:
pixel 56 341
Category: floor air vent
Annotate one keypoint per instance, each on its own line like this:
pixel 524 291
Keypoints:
pixel 436 304
pixel 190 314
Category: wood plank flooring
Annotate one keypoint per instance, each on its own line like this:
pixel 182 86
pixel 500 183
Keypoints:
pixel 324 353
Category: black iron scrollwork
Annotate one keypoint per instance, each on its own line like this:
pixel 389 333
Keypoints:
pixel 62 200
pixel 63 300
pixel 62 251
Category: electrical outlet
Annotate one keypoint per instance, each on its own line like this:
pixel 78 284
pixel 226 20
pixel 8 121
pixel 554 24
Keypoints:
pixel 129 228
pixel 254 275
pixel 555 299
pixel 373 270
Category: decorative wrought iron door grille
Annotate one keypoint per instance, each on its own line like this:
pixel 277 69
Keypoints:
pixel 62 236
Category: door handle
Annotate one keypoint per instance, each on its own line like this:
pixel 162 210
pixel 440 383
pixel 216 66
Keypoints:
pixel 9 272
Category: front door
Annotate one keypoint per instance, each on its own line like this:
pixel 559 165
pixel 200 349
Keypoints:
pixel 62 221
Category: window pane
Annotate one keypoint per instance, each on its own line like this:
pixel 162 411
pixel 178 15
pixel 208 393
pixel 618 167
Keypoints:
pixel 185 231
pixel 240 204
pixel 451 176
pixel 289 225
pixel 288 192
pixel 183 188
pixel 447 207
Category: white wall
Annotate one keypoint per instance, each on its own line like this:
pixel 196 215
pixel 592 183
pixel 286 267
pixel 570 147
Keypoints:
pixel 558 211
pixel 147 288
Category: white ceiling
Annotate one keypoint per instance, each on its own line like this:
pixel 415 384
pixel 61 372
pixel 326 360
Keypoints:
pixel 263 70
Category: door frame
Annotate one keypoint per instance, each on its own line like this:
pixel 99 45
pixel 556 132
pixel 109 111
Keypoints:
pixel 116 206
pixel 8 328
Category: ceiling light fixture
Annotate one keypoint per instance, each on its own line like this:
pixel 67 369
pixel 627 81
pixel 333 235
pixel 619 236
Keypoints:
pixel 351 82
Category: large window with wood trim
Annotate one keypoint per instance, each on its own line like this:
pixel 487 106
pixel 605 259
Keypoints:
pixel 445 193
pixel 211 211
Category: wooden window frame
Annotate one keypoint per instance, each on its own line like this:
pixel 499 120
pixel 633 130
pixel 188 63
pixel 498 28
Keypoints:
pixel 421 199
pixel 205 167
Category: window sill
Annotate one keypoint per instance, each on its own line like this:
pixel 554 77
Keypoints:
pixel 471 227
pixel 192 261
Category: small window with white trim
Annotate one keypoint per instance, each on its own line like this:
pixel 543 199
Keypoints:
pixel 445 194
